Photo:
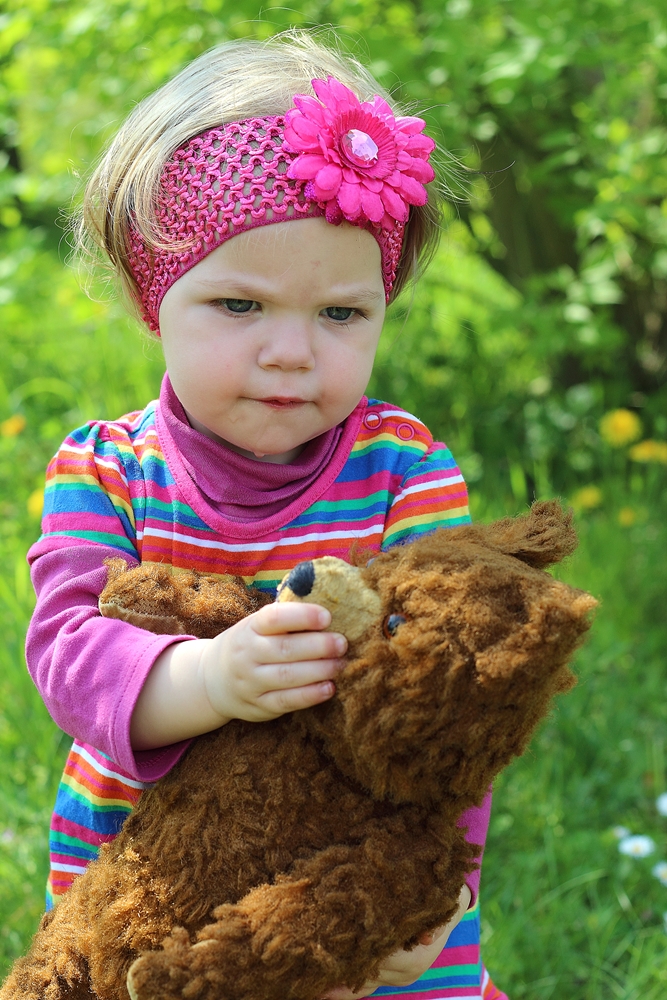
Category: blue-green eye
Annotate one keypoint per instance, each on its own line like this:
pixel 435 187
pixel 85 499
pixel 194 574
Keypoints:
pixel 238 305
pixel 339 313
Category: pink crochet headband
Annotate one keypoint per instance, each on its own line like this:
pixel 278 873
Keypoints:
pixel 333 157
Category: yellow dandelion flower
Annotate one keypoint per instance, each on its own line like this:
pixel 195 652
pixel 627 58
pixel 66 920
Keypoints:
pixel 649 451
pixel 13 425
pixel 620 427
pixel 587 498
pixel 627 517
pixel 35 503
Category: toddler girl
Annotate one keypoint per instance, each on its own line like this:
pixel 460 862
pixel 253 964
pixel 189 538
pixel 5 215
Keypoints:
pixel 262 450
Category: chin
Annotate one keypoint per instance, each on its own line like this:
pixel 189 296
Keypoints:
pixel 270 451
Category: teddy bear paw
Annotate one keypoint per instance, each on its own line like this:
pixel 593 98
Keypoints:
pixel 166 973
pixel 180 971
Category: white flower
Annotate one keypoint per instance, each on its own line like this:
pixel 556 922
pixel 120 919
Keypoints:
pixel 620 832
pixel 660 871
pixel 661 804
pixel 637 846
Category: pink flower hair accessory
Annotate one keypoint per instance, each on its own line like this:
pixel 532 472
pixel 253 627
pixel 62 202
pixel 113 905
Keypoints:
pixel 358 160
pixel 336 158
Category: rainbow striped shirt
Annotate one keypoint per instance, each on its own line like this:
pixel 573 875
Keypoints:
pixel 118 484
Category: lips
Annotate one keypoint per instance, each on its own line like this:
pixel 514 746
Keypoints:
pixel 283 402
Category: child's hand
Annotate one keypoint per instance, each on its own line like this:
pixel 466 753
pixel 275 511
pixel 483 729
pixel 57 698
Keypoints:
pixel 275 661
pixel 405 967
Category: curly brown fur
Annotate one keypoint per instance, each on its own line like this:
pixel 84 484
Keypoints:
pixel 280 859
pixel 154 598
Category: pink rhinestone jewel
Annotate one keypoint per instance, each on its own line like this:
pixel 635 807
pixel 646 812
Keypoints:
pixel 359 148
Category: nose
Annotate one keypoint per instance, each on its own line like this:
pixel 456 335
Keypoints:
pixel 301 579
pixel 289 346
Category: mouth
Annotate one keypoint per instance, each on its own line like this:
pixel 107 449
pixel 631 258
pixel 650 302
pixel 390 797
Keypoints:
pixel 283 402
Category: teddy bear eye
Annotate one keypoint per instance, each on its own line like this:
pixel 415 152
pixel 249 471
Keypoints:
pixel 392 623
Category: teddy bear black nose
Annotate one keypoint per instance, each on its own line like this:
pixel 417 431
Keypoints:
pixel 301 579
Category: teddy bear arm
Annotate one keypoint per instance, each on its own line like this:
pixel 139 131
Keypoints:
pixel 330 924
pixel 116 910
pixel 159 624
pixel 64 977
pixel 56 966
pixel 153 598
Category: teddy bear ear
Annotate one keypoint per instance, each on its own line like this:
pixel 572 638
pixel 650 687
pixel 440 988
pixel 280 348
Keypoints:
pixel 543 536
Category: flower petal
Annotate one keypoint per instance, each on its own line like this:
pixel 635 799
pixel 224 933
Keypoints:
pixel 310 108
pixel 372 183
pixel 342 94
pixel 349 199
pixel 420 145
pixel 327 146
pixel 327 181
pixel 378 106
pixel 306 166
pixel 305 129
pixel 410 124
pixel 291 139
pixel 394 204
pixel 412 191
pixel 321 88
pixel 421 171
pixel 371 204
pixel 334 95
pixel 333 213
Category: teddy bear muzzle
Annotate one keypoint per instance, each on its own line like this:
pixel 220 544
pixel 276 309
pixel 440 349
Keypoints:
pixel 340 588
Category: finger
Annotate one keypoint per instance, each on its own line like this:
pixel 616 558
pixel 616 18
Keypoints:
pixel 289 616
pixel 296 698
pixel 273 677
pixel 298 646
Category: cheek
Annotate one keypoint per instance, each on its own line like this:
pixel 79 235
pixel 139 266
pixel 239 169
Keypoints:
pixel 202 356
pixel 345 375
pixel 353 360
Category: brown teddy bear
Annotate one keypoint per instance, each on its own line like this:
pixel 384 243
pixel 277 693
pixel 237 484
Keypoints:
pixel 278 860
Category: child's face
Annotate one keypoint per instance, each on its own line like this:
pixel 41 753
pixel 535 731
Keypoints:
pixel 269 341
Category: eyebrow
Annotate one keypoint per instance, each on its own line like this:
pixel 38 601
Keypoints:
pixel 355 296
pixel 361 295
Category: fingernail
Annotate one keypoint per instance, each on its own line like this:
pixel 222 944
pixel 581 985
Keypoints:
pixel 341 644
pixel 324 618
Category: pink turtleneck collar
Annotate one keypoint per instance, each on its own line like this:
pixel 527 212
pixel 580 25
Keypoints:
pixel 245 490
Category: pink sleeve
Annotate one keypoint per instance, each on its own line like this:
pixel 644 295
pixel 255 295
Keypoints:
pixel 89 670
pixel 477 822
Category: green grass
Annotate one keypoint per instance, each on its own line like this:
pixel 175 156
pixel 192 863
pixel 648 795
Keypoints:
pixel 565 916
pixel 64 360
pixel 32 755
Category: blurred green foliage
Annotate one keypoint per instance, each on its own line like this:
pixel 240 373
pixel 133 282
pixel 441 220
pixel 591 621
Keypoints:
pixel 543 311
pixel 559 248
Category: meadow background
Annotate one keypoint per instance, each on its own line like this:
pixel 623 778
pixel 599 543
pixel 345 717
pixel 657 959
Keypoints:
pixel 536 346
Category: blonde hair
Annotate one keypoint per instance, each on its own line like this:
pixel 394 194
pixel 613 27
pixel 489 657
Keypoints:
pixel 231 82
